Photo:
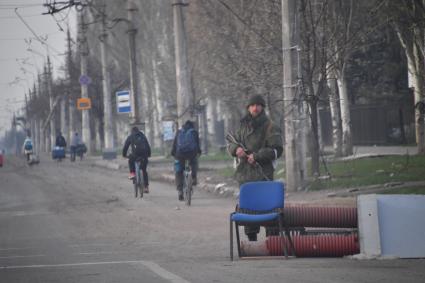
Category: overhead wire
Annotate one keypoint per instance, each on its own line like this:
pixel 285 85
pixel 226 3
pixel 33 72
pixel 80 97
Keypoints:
pixel 38 38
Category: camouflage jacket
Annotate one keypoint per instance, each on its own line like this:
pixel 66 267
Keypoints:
pixel 261 137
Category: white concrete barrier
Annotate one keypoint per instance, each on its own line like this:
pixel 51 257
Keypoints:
pixel 392 225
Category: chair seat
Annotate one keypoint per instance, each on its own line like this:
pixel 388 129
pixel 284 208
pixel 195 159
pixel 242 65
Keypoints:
pixel 243 217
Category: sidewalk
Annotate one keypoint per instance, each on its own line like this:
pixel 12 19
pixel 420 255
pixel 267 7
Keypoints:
pixel 368 151
pixel 161 169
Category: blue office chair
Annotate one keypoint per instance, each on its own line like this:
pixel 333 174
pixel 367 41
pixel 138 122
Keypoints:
pixel 260 204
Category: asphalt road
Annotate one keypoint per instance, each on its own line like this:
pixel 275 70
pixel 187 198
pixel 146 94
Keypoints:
pixel 63 222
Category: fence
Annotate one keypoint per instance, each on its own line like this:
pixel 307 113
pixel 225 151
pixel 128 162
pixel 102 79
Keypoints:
pixel 375 124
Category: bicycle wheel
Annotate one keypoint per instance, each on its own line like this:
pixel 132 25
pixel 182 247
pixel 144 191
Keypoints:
pixel 140 186
pixel 139 179
pixel 136 187
pixel 188 191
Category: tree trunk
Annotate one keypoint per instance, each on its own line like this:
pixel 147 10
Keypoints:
pixel 335 116
pixel 347 143
pixel 417 69
pixel 315 150
pixel 157 111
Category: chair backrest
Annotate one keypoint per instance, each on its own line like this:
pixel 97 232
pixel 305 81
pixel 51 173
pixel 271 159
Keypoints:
pixel 262 195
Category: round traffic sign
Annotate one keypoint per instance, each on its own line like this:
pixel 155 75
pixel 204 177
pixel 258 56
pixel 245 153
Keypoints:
pixel 84 80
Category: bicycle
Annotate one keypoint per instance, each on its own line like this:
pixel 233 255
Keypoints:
pixel 187 184
pixel 77 150
pixel 138 181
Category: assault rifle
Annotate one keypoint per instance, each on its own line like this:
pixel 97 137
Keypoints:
pixel 231 139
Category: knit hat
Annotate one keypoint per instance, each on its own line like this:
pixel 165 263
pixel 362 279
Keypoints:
pixel 256 99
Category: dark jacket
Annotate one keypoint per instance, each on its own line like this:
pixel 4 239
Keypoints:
pixel 186 126
pixel 263 138
pixel 60 141
pixel 129 142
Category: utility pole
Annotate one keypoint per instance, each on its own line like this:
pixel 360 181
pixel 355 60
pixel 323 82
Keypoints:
pixel 47 130
pixel 70 96
pixel 294 174
pixel 50 92
pixel 184 95
pixel 40 134
pixel 33 119
pixel 64 120
pixel 137 117
pixel 106 84
pixel 15 134
pixel 86 136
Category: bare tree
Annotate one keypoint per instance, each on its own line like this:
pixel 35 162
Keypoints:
pixel 408 20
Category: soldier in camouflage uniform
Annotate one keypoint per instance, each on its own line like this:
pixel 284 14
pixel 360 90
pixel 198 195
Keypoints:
pixel 263 145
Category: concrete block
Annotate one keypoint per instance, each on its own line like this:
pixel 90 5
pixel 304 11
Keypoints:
pixel 109 153
pixel 392 226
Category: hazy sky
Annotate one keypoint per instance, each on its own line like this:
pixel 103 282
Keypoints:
pixel 22 56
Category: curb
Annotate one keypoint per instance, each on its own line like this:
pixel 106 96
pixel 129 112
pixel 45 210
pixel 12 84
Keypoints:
pixel 221 189
pixel 109 165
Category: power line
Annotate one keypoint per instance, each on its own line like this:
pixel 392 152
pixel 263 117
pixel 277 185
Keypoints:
pixel 33 32
pixel 25 38
pixel 15 6
pixel 24 16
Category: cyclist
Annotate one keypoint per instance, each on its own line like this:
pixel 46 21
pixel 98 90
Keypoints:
pixel 28 147
pixel 186 149
pixel 75 142
pixel 60 140
pixel 140 151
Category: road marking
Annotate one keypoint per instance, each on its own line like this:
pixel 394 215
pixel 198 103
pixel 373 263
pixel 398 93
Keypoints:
pixel 149 264
pixel 20 256
pixel 163 272
pixel 98 253
pixel 14 249
pixel 22 213
pixel 86 245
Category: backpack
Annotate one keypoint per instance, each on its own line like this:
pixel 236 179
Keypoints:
pixel 186 142
pixel 61 141
pixel 140 145
pixel 28 145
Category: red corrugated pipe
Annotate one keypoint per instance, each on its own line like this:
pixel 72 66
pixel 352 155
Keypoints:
pixel 305 246
pixel 317 245
pixel 332 217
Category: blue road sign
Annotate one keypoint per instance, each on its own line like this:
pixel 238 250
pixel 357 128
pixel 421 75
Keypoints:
pixel 123 101
pixel 84 80
pixel 168 130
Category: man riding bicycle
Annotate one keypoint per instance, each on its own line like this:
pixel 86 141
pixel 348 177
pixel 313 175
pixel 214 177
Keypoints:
pixel 186 148
pixel 140 151
pixel 60 140
pixel 28 147
pixel 76 144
